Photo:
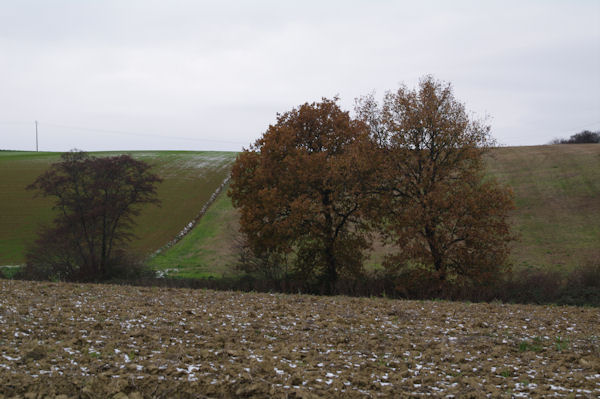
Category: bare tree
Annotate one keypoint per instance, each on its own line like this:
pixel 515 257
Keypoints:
pixel 96 202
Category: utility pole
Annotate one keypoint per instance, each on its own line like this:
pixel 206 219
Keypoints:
pixel 36 136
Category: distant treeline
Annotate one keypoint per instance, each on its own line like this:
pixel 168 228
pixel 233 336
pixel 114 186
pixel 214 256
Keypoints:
pixel 584 137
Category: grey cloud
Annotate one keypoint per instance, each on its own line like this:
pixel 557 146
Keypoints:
pixel 221 70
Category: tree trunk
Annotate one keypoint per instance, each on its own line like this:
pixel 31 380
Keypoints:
pixel 331 274
pixel 438 260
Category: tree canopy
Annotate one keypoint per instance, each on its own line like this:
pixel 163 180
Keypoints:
pixel 301 190
pixel 318 184
pixel 437 205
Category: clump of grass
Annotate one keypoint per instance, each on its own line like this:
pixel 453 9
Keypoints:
pixel 506 373
pixel 9 272
pixel 561 344
pixel 535 345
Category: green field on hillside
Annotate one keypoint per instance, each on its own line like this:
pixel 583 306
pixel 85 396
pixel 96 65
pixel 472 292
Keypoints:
pixel 209 250
pixel 189 180
pixel 557 194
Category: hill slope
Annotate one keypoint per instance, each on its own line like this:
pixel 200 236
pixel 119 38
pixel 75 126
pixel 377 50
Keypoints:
pixel 189 180
pixel 557 193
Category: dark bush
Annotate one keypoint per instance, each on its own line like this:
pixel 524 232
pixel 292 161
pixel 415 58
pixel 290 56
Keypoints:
pixel 530 286
pixel 53 257
pixel 9 272
pixel 127 265
pixel 582 286
pixel 584 137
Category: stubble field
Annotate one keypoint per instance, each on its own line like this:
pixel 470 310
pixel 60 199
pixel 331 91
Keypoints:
pixel 128 342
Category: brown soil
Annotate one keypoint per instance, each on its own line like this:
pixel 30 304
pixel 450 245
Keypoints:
pixel 94 341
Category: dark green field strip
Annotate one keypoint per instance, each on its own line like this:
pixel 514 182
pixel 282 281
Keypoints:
pixel 189 181
pixel 209 250
pixel 20 212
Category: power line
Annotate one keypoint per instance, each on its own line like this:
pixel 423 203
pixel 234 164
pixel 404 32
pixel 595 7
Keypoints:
pixel 138 134
pixel 585 126
pixel 15 122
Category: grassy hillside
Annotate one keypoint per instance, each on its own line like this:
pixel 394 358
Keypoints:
pixel 189 180
pixel 209 250
pixel 557 193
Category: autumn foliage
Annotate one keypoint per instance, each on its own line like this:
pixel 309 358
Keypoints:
pixel 317 185
pixel 301 190
pixel 448 221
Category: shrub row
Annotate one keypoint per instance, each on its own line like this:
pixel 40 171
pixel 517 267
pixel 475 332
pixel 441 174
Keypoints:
pixel 580 287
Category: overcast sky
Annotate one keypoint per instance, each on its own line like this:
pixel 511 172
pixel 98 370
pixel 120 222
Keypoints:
pixel 200 75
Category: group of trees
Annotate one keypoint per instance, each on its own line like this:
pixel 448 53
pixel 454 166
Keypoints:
pixel 303 188
pixel 583 137
pixel 319 186
pixel 96 202
pixel 314 193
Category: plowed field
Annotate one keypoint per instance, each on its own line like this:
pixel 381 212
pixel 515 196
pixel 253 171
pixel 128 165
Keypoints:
pixel 113 341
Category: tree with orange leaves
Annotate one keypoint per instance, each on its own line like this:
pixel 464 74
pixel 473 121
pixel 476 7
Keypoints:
pixel 301 191
pixel 444 215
